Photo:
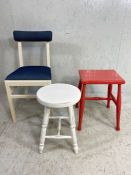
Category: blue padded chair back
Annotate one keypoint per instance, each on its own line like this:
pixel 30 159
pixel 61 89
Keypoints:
pixel 32 36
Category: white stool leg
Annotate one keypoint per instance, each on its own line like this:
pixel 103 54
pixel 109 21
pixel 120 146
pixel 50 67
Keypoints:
pixel 72 126
pixel 43 129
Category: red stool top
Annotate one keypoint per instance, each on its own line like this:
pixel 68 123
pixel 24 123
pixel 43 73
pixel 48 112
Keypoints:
pixel 100 77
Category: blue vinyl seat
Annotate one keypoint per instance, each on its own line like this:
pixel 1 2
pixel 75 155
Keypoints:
pixel 31 73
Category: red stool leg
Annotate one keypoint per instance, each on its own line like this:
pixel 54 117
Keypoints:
pixel 118 108
pixel 80 87
pixel 108 95
pixel 81 108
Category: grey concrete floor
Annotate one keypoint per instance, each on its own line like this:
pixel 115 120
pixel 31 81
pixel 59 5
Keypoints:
pixel 103 151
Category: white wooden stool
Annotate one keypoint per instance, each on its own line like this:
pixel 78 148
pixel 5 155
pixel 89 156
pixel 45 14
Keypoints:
pixel 58 96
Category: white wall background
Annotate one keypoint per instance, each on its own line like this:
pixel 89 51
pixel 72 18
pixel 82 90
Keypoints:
pixel 89 34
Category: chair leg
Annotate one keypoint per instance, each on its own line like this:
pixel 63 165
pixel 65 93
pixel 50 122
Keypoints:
pixel 73 126
pixel 81 108
pixel 44 128
pixel 108 95
pixel 118 108
pixel 11 104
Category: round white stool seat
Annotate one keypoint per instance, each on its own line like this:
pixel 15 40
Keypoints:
pixel 58 95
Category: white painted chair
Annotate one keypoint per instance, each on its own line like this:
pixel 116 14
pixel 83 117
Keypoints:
pixel 58 96
pixel 28 75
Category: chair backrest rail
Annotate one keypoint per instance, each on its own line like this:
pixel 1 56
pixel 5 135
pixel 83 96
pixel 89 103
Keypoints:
pixel 20 53
pixel 48 53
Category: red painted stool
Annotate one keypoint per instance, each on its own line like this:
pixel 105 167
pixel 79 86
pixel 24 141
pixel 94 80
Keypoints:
pixel 109 77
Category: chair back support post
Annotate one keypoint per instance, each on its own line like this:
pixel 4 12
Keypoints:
pixel 48 53
pixel 20 53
